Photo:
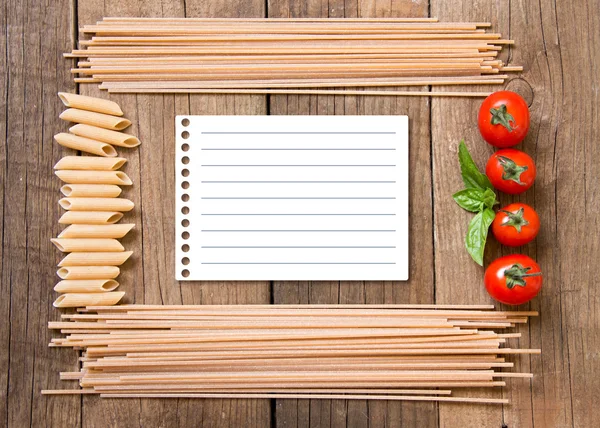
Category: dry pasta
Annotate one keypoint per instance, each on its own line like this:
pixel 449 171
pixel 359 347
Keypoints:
pixel 96 204
pixel 98 105
pixel 93 177
pixel 90 163
pixel 85 145
pixel 90 217
pixel 95 259
pixel 114 231
pixel 86 286
pixel 107 136
pixel 88 272
pixel 67 245
pixel 95 119
pixel 74 300
pixel 90 190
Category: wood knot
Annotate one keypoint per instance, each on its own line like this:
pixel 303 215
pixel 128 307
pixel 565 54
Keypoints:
pixel 521 87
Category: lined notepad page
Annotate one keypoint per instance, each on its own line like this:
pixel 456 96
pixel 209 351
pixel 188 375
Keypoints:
pixel 292 197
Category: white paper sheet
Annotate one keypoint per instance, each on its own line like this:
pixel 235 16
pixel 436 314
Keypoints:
pixel 292 198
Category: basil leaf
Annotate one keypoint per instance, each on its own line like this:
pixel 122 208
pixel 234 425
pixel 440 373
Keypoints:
pixel 470 173
pixel 470 199
pixel 477 234
pixel 489 198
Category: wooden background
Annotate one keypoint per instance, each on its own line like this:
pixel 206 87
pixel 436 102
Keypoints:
pixel 559 45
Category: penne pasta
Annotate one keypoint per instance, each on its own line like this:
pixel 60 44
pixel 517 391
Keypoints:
pixel 86 286
pixel 90 217
pixel 96 204
pixel 75 300
pixel 88 272
pixel 100 120
pixel 90 190
pixel 90 163
pixel 67 245
pixel 95 259
pixel 85 145
pixel 98 105
pixel 93 177
pixel 106 136
pixel 114 231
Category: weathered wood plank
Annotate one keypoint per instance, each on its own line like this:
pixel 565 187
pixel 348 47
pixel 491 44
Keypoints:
pixel 34 35
pixel 145 277
pixel 4 278
pixel 234 413
pixel 577 187
pixel 150 275
pixel 540 403
pixel 458 278
pixel 293 413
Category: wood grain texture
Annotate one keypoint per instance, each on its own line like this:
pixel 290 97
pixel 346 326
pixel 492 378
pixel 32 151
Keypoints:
pixel 150 276
pixel 232 413
pixel 32 74
pixel 419 289
pixel 143 276
pixel 458 278
pixel 557 42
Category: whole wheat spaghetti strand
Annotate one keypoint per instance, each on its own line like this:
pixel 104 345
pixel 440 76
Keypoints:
pixel 232 53
pixel 303 92
pixel 130 307
pixel 311 351
pixel 299 83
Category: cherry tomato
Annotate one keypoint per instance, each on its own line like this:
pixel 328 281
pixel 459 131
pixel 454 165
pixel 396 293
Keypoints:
pixel 516 224
pixel 503 119
pixel 511 171
pixel 514 279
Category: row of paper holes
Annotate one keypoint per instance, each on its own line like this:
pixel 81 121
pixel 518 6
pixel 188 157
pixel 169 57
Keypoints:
pixel 185 198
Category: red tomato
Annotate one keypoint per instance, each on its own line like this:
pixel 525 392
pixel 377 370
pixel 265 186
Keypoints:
pixel 516 224
pixel 503 119
pixel 514 279
pixel 510 171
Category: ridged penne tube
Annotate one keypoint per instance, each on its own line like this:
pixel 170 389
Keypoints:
pixel 90 217
pixel 106 136
pixel 76 300
pixel 96 204
pixel 85 145
pixel 114 231
pixel 90 190
pixel 86 286
pixel 98 105
pixel 93 177
pixel 88 272
pixel 67 245
pixel 93 163
pixel 95 259
pixel 100 120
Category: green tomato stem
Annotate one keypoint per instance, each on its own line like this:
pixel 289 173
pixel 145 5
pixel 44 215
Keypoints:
pixel 500 116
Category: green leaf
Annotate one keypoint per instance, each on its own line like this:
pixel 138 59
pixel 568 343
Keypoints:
pixel 489 198
pixel 470 199
pixel 477 234
pixel 471 176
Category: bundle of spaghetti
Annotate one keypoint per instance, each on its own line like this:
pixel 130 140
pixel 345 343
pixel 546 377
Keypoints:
pixel 91 201
pixel 279 56
pixel 397 352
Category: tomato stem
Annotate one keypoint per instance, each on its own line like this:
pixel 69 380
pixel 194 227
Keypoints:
pixel 515 275
pixel 500 116
pixel 511 171
pixel 515 220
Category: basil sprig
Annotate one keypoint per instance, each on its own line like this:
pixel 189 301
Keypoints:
pixel 478 197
